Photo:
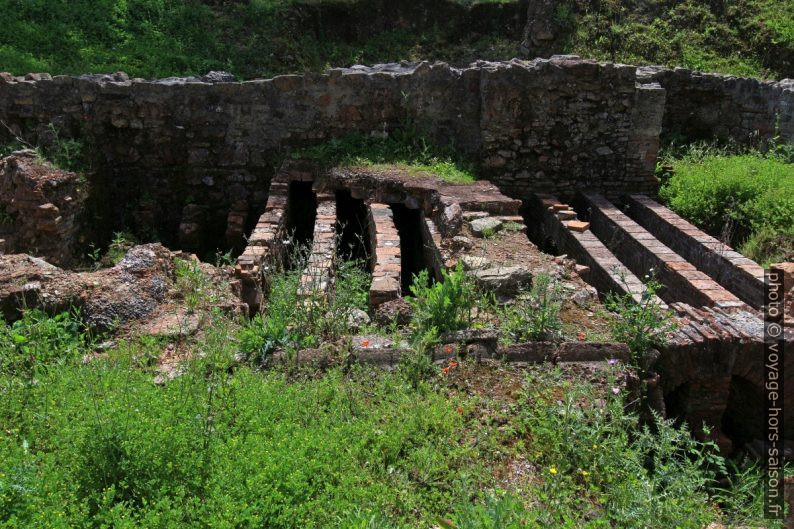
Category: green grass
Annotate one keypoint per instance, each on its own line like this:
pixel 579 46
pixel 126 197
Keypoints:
pixel 746 199
pixel 97 444
pixel 406 148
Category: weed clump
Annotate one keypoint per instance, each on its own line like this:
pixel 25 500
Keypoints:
pixel 642 325
pixel 443 306
pixel 535 315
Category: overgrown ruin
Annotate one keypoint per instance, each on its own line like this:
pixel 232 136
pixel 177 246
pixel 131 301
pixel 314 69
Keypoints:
pixel 566 147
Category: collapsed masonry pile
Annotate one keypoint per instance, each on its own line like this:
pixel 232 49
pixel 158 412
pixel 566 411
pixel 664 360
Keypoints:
pixel 40 208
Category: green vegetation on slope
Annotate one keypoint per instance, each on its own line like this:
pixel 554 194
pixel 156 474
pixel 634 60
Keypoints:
pixel 746 37
pixel 260 38
pixel 745 200
pixel 96 444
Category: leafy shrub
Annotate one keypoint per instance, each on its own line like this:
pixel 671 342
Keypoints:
pixel 641 325
pixel 38 340
pixel 752 193
pixel 443 306
pixel 740 495
pixel 416 364
pixel 535 314
pixel 298 321
pixel 8 148
pixel 247 449
pixel 350 293
pixel 96 444
pixel 260 336
pixel 732 38
pixel 496 512
pixel 64 153
pixel 768 245
pixel 151 38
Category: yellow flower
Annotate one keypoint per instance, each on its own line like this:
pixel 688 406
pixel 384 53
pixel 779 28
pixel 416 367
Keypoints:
pixel 595 446
pixel 585 473
pixel 553 470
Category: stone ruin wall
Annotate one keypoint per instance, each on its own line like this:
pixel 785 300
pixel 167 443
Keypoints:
pixel 184 153
pixel 728 108
pixel 561 125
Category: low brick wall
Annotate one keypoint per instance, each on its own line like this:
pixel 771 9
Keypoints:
pixel 386 259
pixel 740 275
pixel 708 361
pixel 606 272
pixel 42 207
pixel 318 275
pixel 431 243
pixel 644 254
pixel 537 352
pixel 263 245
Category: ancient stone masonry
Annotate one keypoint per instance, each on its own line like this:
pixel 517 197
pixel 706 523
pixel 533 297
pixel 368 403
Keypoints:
pixel 437 210
pixel 533 139
pixel 40 208
pixel 206 163
pixel 140 286
pixel 264 246
pixel 556 125
pixel 386 260
pixel 644 254
pixel 707 105
pixel 729 268
pixel 712 372
pixel 709 369
pixel 317 276
pixel 606 272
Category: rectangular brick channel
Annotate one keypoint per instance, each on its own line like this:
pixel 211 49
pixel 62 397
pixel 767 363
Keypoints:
pixel 641 252
pixel 607 273
pixel 729 268
pixel 262 248
pixel 317 276
pixel 431 242
pixel 386 264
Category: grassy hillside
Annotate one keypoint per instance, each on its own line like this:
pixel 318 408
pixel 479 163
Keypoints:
pixel 257 38
pixel 744 37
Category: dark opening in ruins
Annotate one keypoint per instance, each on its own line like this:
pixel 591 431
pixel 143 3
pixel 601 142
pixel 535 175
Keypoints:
pixel 352 228
pixel 676 402
pixel 532 214
pixel 740 420
pixel 302 212
pixel 412 251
